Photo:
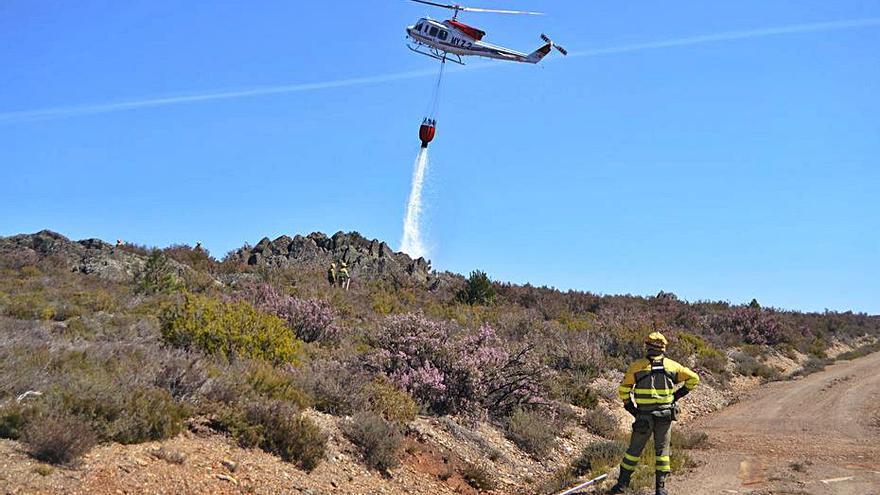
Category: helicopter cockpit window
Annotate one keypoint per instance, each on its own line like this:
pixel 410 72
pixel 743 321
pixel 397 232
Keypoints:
pixel 443 35
pixel 433 32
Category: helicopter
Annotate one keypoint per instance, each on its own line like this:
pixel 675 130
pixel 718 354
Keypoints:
pixel 452 39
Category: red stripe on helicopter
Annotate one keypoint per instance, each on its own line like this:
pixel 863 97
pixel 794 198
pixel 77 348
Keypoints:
pixel 468 30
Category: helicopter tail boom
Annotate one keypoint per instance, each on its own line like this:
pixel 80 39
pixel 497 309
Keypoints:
pixel 537 55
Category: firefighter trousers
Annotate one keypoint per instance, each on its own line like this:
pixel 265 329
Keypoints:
pixel 643 428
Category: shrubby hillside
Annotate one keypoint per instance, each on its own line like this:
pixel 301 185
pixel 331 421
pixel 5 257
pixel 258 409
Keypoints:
pixel 127 344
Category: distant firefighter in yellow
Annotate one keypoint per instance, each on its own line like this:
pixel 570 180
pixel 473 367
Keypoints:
pixel 648 393
pixel 344 276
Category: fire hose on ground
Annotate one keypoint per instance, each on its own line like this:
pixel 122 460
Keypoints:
pixel 575 489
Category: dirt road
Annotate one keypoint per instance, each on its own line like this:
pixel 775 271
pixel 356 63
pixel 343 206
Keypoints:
pixel 817 435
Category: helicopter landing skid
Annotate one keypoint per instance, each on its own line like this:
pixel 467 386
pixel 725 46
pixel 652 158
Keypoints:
pixel 442 56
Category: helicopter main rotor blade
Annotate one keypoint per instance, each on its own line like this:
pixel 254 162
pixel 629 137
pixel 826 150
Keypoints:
pixel 443 5
pixel 496 11
pixel 475 9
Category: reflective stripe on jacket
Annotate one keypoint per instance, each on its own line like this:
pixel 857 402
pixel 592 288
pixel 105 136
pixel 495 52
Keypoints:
pixel 652 382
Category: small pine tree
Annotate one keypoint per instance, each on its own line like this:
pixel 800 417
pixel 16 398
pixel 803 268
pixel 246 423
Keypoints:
pixel 479 289
pixel 157 275
pixel 755 304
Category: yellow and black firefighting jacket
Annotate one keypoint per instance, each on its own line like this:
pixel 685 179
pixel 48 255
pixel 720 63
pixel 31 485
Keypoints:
pixel 652 383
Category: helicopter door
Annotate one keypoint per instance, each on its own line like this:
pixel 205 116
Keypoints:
pixel 433 32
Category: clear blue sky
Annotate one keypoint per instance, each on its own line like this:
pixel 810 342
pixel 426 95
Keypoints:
pixel 719 170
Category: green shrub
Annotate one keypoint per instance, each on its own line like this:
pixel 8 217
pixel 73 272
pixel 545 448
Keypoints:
pixel 478 289
pixel 276 427
pixel 707 356
pixel 148 414
pixel 92 301
pixel 818 347
pixel 335 388
pixel 378 440
pixel 601 422
pixel 198 258
pixel 859 352
pixel 688 343
pixel 183 375
pixel 582 397
pixel 229 329
pixel 598 456
pixel 77 328
pixel 233 420
pixel 157 276
pixel 58 439
pixel 571 387
pixel 602 456
pixel 390 402
pixel 748 366
pixel 13 419
pixel 478 477
pixel 134 415
pixel 561 479
pixel 43 470
pixel 712 359
pixel 295 438
pixel 812 365
pixel 29 306
pixel 384 301
pixel 275 384
pixel 753 350
pixel 531 432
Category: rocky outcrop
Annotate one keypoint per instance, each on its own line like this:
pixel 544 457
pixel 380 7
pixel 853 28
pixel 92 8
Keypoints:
pixel 89 256
pixel 366 259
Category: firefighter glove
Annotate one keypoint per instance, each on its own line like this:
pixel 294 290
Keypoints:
pixel 680 393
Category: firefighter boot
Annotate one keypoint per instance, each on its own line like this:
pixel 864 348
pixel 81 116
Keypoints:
pixel 622 482
pixel 661 484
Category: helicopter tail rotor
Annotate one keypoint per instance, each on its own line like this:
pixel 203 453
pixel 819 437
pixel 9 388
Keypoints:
pixel 547 39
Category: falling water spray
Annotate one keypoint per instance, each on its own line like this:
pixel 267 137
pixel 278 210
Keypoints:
pixel 412 243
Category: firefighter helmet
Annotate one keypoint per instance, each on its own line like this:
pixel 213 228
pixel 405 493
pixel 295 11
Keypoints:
pixel 657 340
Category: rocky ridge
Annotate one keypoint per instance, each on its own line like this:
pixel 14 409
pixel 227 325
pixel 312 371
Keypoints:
pixel 88 256
pixel 366 259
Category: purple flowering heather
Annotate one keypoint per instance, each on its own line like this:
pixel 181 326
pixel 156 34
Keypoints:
pixel 310 319
pixel 754 325
pixel 472 374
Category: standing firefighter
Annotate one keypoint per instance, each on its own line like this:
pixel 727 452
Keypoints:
pixel 651 382
pixel 344 276
pixel 331 274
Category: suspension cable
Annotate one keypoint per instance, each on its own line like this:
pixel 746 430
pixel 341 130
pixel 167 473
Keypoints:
pixel 434 105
